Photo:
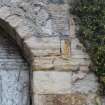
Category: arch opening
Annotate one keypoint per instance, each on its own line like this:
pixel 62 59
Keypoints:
pixel 15 82
pixel 17 38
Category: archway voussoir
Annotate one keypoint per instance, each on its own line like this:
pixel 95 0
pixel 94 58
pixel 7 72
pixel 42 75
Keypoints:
pixel 31 42
pixel 44 46
pixel 18 35
pixel 24 31
pixel 28 53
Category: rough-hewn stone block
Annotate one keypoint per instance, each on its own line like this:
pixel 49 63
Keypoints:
pixel 56 63
pixel 44 46
pixel 84 84
pixel 60 99
pixel 51 82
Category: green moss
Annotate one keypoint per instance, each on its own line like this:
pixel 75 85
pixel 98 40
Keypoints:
pixel 91 19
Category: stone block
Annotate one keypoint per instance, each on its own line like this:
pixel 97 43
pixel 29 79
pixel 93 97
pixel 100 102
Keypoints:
pixel 59 17
pixel 51 82
pixel 60 99
pixel 45 52
pixel 55 63
pixel 77 52
pixel 86 85
pixel 42 16
pixel 84 56
pixel 63 64
pixel 44 46
pixel 78 76
pixel 81 61
pixel 72 27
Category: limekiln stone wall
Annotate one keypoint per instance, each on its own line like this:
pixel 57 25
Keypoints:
pixel 45 32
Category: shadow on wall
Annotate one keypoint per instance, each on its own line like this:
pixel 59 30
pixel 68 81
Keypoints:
pixel 11 32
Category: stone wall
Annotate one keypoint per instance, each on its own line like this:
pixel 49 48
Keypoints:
pixel 46 34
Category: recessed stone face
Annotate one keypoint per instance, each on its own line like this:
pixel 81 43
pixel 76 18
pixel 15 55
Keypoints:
pixel 62 99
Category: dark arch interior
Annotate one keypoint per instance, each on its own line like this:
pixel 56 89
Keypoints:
pixel 11 32
pixel 14 73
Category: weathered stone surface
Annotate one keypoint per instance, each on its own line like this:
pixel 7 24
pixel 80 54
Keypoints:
pixel 44 46
pixel 56 63
pixel 47 29
pixel 77 49
pixel 24 31
pixel 61 99
pixel 81 61
pixel 72 26
pixel 51 82
pixel 85 83
pixel 14 20
pixel 78 76
pixel 61 64
pixel 59 18
pixel 4 12
pixel 44 42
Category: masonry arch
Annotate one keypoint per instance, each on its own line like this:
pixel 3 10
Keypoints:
pixel 18 37
pixel 16 68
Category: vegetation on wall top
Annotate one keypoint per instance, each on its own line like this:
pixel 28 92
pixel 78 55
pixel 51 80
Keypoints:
pixel 91 19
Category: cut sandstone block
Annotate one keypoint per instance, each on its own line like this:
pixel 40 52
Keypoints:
pixel 56 63
pixel 44 46
pixel 51 82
